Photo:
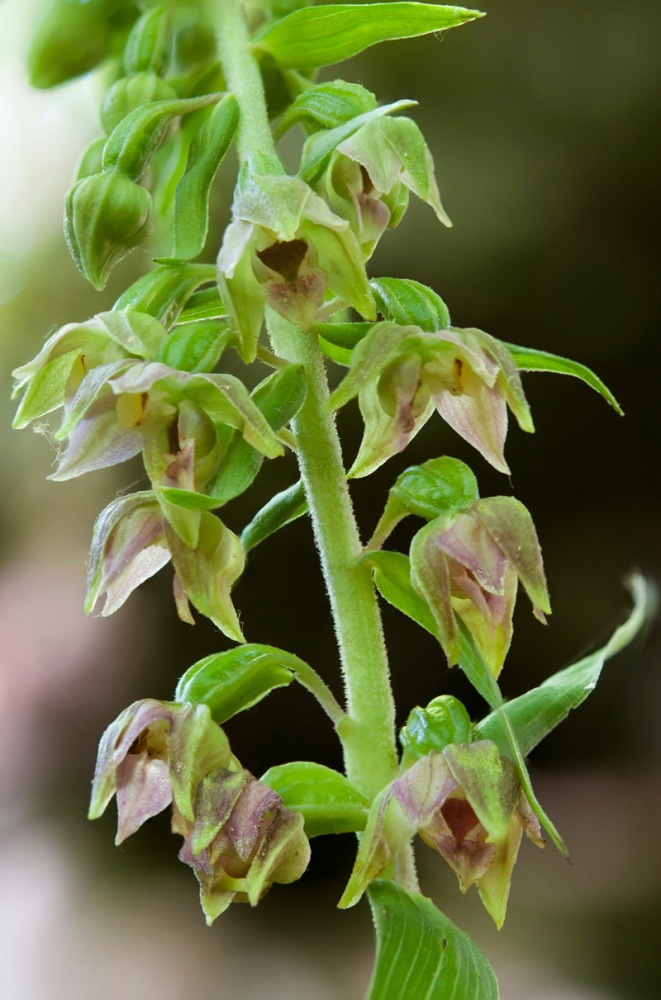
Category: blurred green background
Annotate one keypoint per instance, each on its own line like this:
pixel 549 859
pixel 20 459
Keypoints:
pixel 544 122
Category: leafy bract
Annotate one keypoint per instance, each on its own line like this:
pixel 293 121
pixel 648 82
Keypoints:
pixel 164 291
pixel 421 954
pixel 191 211
pixel 410 303
pixel 321 36
pixel 326 106
pixel 281 509
pixel 437 488
pixel 327 800
pixel 529 360
pixel 319 147
pixel 534 714
pixel 232 681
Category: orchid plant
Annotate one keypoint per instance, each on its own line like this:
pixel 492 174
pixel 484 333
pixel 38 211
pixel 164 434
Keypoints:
pixel 290 293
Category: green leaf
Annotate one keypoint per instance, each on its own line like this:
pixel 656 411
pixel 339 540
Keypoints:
pixel 529 360
pixel 327 800
pixel 321 36
pixel 410 303
pixel 237 679
pixel 437 488
pixel 280 510
pixel 392 578
pixel 278 398
pixel 195 347
pixel 164 291
pixel 326 106
pixel 534 714
pixel 319 147
pixel 191 211
pixel 512 748
pixel 421 954
pixel 337 340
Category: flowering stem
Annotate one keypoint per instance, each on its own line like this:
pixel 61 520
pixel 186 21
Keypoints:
pixel 368 732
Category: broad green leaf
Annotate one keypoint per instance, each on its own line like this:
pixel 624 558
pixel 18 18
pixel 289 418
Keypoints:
pixel 319 147
pixel 421 954
pixel 195 347
pixel 437 488
pixel 410 303
pixel 164 291
pixel 237 679
pixel 327 800
pixel 280 510
pixel 191 211
pixel 529 360
pixel 321 36
pixel 534 714
pixel 326 106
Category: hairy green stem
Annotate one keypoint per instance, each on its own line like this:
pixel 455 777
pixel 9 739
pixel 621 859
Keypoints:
pixel 368 732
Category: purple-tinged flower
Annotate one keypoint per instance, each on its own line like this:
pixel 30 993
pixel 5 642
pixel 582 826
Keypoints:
pixel 401 374
pixel 238 836
pixel 285 247
pixel 469 569
pixel 243 840
pixel 467 803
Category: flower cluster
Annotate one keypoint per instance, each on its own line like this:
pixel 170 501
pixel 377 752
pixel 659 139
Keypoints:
pixel 238 837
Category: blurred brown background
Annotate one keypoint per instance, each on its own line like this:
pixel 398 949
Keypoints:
pixel 544 122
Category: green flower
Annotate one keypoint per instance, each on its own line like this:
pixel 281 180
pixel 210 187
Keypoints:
pixel 286 248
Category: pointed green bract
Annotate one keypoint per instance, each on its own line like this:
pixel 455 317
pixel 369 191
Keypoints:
pixel 137 137
pixel 534 714
pixel 237 679
pixel 326 799
pixel 327 105
pixel 437 488
pixel 164 291
pixel 321 36
pixel 409 303
pixel 319 148
pixel 191 211
pixel 281 509
pixel 421 954
pixel 529 360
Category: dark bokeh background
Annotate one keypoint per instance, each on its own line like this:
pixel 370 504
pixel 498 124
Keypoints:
pixel 544 122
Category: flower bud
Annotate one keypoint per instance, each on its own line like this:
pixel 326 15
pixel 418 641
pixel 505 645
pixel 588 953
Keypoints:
pixel 74 37
pixel 106 216
pixel 146 47
pixel 132 92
